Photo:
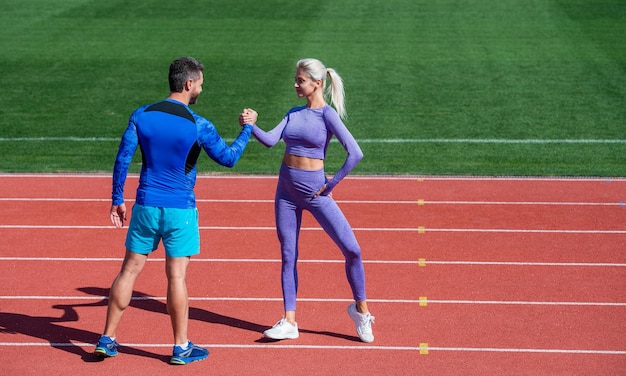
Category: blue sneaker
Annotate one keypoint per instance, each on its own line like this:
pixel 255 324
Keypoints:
pixel 106 347
pixel 192 354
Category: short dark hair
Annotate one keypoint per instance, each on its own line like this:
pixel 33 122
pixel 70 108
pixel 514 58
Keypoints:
pixel 183 69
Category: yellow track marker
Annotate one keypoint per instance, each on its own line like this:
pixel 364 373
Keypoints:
pixel 423 301
pixel 423 348
pixel 421 229
pixel 420 202
pixel 421 262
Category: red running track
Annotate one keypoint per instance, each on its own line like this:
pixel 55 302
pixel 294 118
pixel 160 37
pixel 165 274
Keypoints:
pixel 466 276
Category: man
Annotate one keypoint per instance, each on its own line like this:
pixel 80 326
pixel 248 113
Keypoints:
pixel 170 137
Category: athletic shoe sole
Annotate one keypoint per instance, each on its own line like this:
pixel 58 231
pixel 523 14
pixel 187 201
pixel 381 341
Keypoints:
pixel 103 353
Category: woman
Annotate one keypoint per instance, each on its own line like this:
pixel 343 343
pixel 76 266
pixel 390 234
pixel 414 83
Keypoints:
pixel 302 185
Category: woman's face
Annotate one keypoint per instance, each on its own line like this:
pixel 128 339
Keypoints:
pixel 305 85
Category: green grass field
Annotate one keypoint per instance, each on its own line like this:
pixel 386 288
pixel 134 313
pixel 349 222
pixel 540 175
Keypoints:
pixel 433 87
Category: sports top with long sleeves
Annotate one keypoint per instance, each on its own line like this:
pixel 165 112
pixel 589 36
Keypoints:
pixel 307 133
pixel 171 137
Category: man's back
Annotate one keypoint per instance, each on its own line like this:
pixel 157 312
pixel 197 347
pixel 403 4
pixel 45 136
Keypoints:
pixel 168 138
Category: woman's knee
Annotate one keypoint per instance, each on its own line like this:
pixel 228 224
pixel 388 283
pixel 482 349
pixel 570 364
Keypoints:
pixel 352 253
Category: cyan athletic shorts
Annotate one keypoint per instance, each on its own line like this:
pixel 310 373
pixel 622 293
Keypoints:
pixel 177 228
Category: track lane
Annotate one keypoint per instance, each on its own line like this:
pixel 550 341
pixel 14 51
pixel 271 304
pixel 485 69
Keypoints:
pixel 392 216
pixel 262 280
pixel 327 324
pixel 315 245
pixel 352 187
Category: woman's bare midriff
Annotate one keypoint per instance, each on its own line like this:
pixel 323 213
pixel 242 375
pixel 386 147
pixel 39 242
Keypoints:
pixel 303 163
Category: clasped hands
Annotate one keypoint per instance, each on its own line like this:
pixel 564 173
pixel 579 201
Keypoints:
pixel 248 116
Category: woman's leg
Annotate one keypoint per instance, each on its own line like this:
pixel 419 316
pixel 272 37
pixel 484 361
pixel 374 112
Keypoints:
pixel 331 218
pixel 336 225
pixel 288 222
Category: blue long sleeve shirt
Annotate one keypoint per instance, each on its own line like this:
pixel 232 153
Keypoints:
pixel 171 137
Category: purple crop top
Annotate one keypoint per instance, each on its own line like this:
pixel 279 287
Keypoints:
pixel 307 132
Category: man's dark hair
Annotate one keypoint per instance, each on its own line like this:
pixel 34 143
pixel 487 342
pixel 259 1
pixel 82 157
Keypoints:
pixel 183 69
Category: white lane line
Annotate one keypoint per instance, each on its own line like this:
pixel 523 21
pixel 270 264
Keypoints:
pixel 368 140
pixel 418 178
pixel 381 229
pixel 420 302
pixel 313 261
pixel 360 202
pixel 422 348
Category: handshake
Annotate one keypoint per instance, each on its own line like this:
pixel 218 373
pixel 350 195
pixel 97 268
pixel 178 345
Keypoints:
pixel 248 116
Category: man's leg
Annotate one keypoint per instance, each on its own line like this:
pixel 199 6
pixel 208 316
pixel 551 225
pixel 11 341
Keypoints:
pixel 122 290
pixel 184 351
pixel 177 297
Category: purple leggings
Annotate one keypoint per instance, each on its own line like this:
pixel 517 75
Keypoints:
pixel 294 194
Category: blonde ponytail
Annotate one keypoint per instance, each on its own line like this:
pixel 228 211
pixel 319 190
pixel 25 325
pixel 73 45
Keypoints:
pixel 336 93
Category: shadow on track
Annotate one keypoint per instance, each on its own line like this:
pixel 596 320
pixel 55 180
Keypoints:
pixel 149 303
pixel 50 329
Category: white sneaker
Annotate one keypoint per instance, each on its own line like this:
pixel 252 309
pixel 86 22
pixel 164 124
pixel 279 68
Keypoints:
pixel 282 330
pixel 363 322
